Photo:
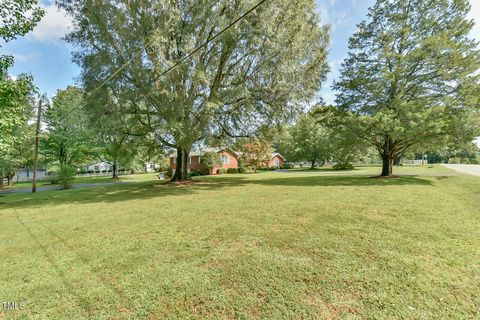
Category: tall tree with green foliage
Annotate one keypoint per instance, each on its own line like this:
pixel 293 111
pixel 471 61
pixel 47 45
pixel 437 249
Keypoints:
pixel 262 69
pixel 70 138
pixel 16 19
pixel 109 125
pixel 307 140
pixel 411 76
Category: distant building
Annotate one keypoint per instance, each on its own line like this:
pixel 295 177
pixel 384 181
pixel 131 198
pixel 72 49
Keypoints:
pixel 99 166
pixel 26 174
pixel 151 167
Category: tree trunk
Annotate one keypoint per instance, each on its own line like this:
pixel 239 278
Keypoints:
pixel 313 164
pixel 1 181
pixel 181 167
pixel 115 170
pixel 387 165
pixel 10 180
pixel 388 155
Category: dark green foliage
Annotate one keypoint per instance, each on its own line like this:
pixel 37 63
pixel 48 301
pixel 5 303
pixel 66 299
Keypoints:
pixel 242 170
pixel 70 138
pixel 411 77
pixel 194 173
pixel 264 69
pixel 66 175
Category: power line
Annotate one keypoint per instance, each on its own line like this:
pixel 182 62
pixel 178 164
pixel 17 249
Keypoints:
pixel 213 38
pixel 178 62
pixel 56 74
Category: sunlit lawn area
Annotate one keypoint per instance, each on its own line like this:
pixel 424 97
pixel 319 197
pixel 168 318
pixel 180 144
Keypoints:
pixel 258 246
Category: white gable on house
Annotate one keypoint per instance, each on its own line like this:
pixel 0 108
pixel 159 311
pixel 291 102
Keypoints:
pixel 100 166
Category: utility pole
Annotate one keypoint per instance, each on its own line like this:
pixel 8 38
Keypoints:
pixel 35 156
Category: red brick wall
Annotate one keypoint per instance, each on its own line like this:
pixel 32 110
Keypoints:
pixel 195 163
pixel 233 161
pixel 281 162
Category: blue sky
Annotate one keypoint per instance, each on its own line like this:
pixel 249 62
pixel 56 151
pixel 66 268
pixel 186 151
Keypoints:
pixel 43 54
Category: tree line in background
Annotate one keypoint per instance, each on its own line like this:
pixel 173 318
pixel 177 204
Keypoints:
pixel 16 94
pixel 188 73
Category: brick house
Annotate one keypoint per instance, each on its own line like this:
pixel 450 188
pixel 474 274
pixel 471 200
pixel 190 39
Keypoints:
pixel 229 160
pixel 228 157
pixel 276 161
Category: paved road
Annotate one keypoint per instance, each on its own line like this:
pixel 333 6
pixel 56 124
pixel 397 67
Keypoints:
pixel 472 169
pixel 46 188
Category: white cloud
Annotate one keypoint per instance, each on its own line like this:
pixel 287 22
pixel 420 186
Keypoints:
pixel 329 96
pixel 26 57
pixel 53 26
pixel 335 18
pixel 475 15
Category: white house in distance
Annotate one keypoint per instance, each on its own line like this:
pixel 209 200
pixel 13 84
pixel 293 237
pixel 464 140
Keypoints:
pixel 98 167
pixel 26 174
pixel 151 167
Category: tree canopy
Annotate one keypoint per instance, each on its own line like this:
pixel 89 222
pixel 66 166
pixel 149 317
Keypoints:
pixel 307 140
pixel 16 19
pixel 260 70
pixel 70 138
pixel 411 76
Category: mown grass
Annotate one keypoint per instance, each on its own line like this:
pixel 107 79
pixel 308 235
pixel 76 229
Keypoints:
pixel 81 180
pixel 259 246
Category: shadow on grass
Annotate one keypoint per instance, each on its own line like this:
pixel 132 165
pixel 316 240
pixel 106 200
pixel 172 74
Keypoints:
pixel 320 169
pixel 154 189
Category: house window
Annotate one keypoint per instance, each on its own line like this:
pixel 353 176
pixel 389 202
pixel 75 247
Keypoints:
pixel 152 165
pixel 96 168
pixel 225 159
pixel 276 162
pixel 189 160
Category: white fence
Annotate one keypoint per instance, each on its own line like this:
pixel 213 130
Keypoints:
pixel 101 174
pixel 22 176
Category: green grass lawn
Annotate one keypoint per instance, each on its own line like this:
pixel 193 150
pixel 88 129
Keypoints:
pixel 258 246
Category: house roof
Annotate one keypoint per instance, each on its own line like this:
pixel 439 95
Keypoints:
pixel 97 163
pixel 203 151
pixel 276 154
pixel 237 153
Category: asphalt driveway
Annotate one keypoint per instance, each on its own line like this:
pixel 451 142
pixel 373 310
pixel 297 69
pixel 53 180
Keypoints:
pixel 472 169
